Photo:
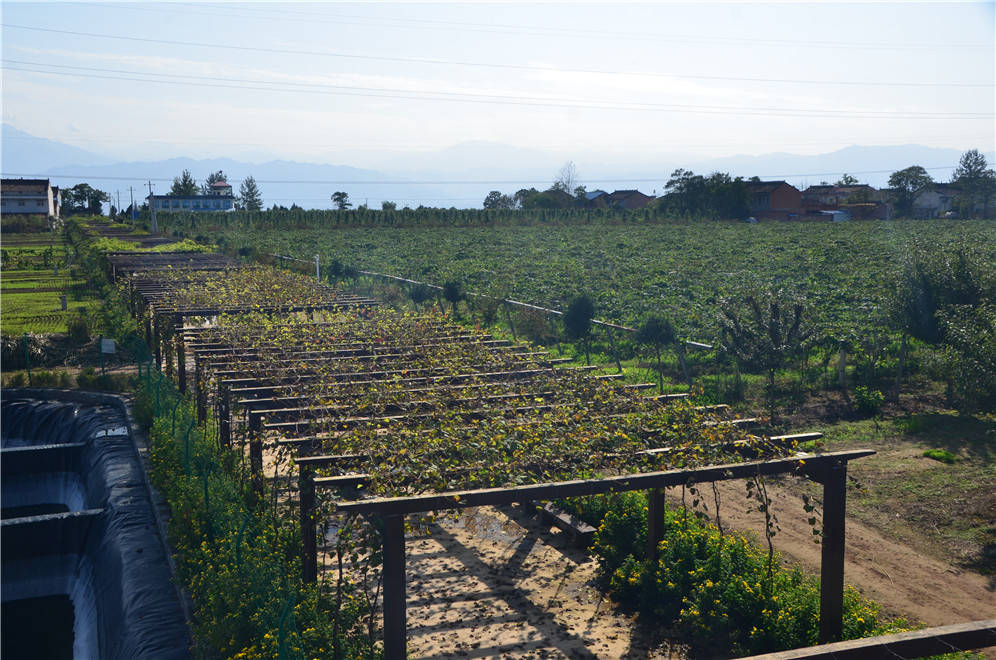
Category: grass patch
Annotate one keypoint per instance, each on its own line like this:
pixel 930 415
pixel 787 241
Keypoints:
pixel 942 455
pixel 944 508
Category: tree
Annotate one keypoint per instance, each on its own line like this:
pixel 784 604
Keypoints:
pixel 388 206
pixel 496 200
pixel 214 177
pixel 453 293
pixel 249 198
pixel 906 185
pixel 977 181
pixel 763 330
pixel 420 293
pixel 847 180
pixel 523 195
pixel 971 166
pixel 719 195
pixel 341 200
pixel 567 179
pixel 657 332
pixel 184 184
pixel 82 198
pixel 930 283
pixel 577 321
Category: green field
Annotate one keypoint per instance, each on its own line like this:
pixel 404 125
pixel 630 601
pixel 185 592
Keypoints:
pixel 680 269
pixel 30 289
pixel 29 301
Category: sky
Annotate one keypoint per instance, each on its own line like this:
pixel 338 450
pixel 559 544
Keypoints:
pixel 363 84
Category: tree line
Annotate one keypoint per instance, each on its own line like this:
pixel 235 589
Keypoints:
pixel 686 195
pixel 248 199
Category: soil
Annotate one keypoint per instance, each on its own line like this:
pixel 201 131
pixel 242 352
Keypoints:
pixel 496 583
pixel 491 583
pixel 903 580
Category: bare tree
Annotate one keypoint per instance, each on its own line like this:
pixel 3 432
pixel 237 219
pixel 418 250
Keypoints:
pixel 567 178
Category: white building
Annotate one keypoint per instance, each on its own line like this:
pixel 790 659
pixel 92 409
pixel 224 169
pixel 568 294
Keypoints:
pixel 219 198
pixel 29 197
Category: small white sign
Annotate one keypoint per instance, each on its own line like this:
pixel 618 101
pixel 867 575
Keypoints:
pixel 106 345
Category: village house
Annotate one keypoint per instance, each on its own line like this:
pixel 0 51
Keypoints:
pixel 218 198
pixel 860 201
pixel 628 199
pixel 774 200
pixel 829 197
pixel 36 197
pixel 596 199
pixel 935 201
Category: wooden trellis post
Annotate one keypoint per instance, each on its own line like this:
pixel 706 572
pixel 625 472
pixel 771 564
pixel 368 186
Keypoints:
pixel 200 391
pixel 256 452
pixel 181 356
pixel 656 520
pixel 157 340
pixel 834 480
pixel 395 615
pixel 309 542
pixel 224 407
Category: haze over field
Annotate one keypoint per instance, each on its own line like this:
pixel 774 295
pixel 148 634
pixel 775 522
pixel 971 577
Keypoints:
pixel 420 99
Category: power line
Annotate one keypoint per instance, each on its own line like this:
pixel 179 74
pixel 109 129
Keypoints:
pixel 463 97
pixel 394 145
pixel 547 31
pixel 493 65
pixel 401 182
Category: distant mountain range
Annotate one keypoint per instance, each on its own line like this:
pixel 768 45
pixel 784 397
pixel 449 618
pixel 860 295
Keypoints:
pixel 459 176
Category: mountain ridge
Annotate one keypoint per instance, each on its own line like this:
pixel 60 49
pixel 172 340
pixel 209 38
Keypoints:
pixel 459 175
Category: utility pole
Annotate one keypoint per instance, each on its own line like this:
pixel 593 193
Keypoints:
pixel 131 194
pixel 152 207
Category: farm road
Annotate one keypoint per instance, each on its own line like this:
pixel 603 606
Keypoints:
pixel 903 580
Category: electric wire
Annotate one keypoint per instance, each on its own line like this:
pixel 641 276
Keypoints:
pixel 462 97
pixel 398 182
pixel 491 65
pixel 547 31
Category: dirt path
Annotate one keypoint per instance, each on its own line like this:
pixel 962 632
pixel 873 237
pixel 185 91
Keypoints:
pixel 901 579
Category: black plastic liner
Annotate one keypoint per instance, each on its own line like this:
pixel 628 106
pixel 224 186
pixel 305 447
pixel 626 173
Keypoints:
pixel 105 552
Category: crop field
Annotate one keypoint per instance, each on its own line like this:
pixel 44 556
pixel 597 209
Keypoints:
pixel 677 269
pixel 30 288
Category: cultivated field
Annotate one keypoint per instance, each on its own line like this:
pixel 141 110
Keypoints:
pixel 680 269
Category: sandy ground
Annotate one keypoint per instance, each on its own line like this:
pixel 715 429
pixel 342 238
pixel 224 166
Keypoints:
pixel 499 584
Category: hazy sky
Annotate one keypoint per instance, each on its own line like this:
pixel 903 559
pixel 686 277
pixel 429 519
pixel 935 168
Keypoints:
pixel 342 83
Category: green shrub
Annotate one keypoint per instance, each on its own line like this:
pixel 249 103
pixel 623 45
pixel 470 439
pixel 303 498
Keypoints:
pixel 79 328
pixel 51 379
pixel 711 588
pixel 240 563
pixel 88 379
pixel 19 379
pixel 868 402
pixel 942 455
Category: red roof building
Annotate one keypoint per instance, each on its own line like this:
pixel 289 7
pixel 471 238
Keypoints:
pixel 774 200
